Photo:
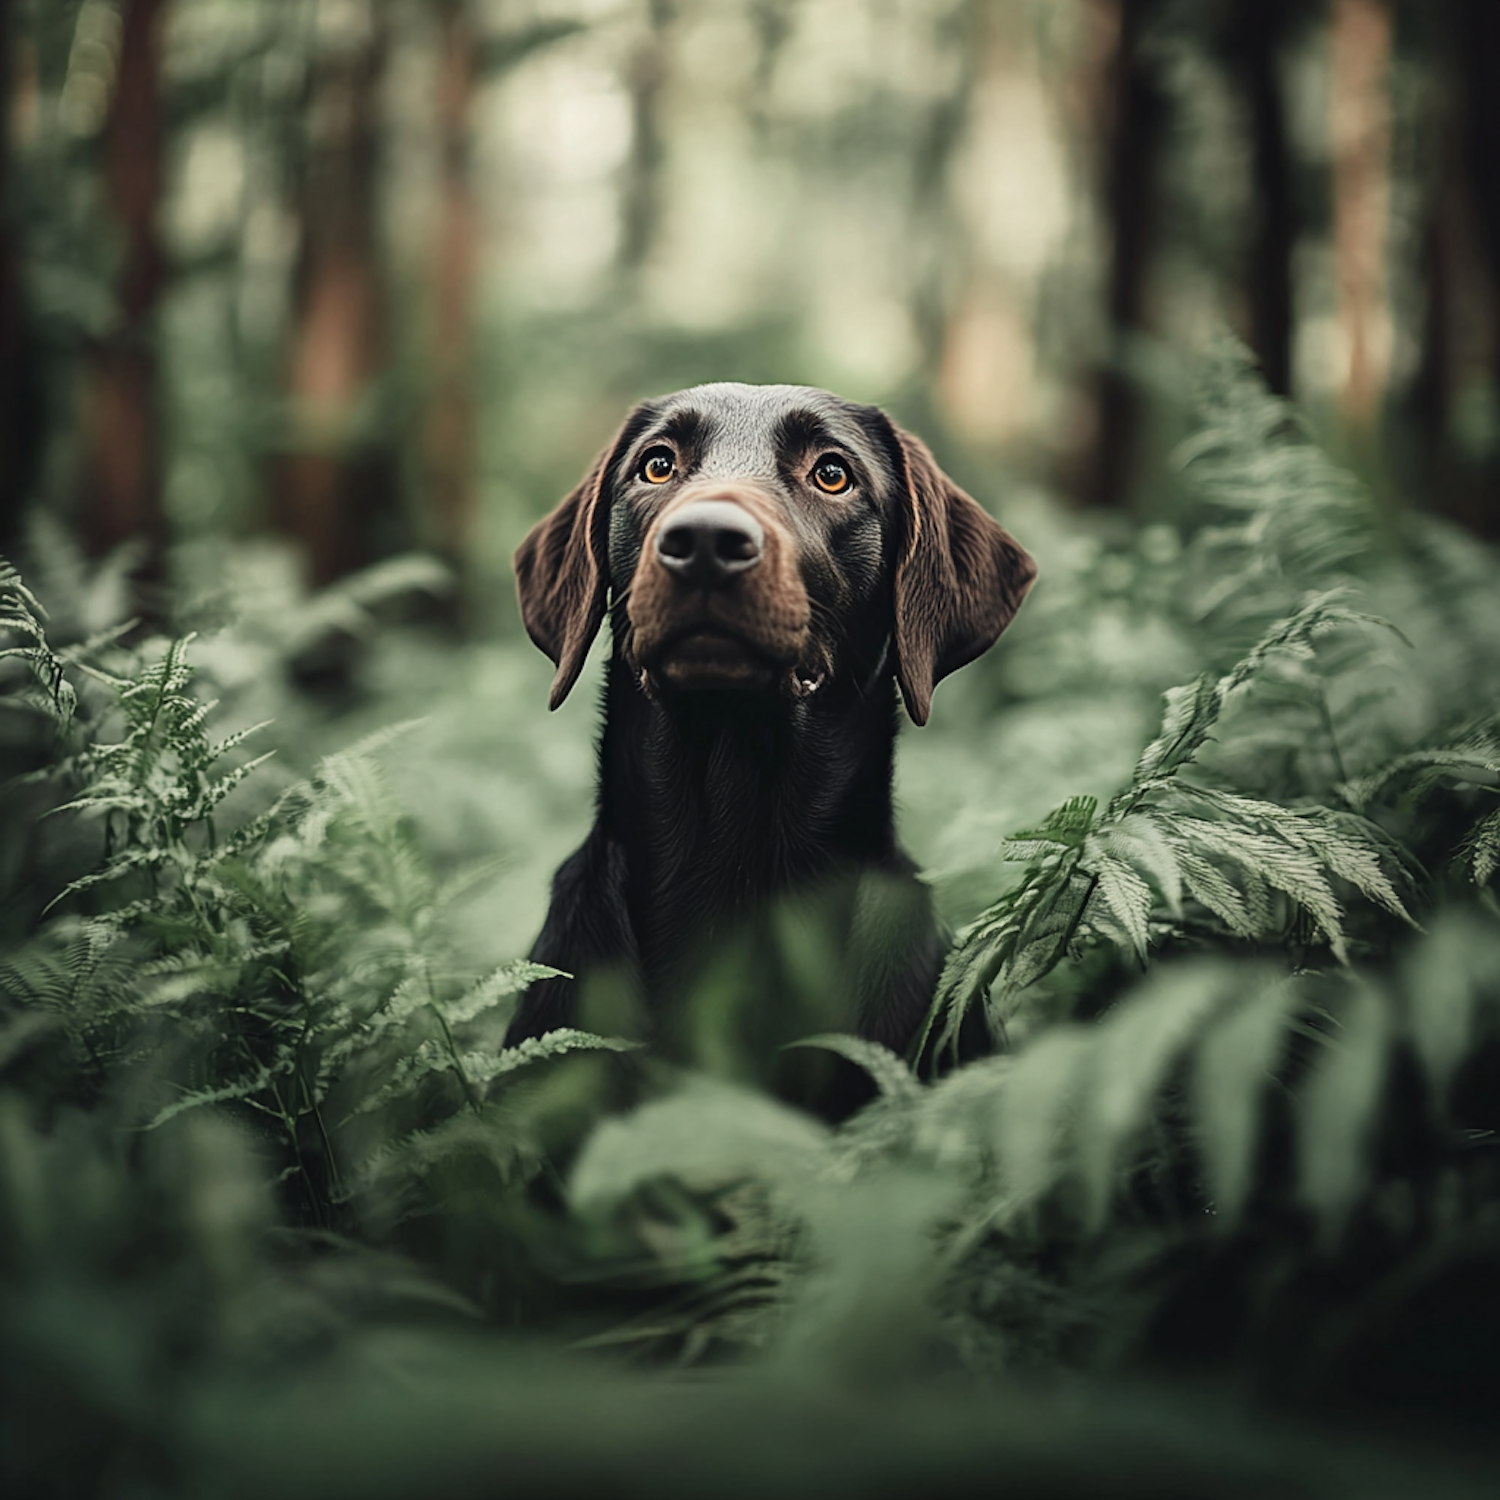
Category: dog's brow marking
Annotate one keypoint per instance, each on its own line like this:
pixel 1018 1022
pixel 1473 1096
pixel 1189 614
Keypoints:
pixel 686 428
pixel 801 430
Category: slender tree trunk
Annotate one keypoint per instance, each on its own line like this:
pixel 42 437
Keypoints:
pixel 640 208
pixel 1479 62
pixel 335 484
pixel 13 465
pixel 1431 399
pixel 450 429
pixel 123 456
pixel 1134 120
pixel 1360 88
pixel 1479 67
pixel 1256 34
pixel 935 238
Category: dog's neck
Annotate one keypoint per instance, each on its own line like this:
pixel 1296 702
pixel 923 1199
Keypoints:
pixel 737 798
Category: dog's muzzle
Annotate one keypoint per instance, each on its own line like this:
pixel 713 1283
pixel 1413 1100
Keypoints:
pixel 717 600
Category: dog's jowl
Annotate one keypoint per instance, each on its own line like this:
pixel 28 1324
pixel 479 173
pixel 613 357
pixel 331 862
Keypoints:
pixel 776 563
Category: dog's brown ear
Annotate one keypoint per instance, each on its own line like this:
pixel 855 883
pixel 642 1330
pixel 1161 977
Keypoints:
pixel 562 574
pixel 960 578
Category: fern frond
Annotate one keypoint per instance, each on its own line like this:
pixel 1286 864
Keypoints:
pixel 1338 1107
pixel 1232 1070
pixel 484 1067
pixel 490 1136
pixel 128 863
pixel 706 1134
pixel 22 615
pixel 1450 981
pixel 1191 713
pixel 509 979
pixel 1122 901
pixel 242 1089
pixel 479 1069
pixel 1483 849
pixel 1122 873
pixel 1280 517
pixel 887 1070
pixel 1132 1051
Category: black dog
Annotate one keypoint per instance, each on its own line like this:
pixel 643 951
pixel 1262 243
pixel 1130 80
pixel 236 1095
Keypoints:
pixel 774 561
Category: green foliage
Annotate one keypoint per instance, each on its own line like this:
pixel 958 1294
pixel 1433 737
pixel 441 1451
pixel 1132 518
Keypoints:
pixel 1168 859
pixel 259 1138
pixel 21 616
pixel 293 967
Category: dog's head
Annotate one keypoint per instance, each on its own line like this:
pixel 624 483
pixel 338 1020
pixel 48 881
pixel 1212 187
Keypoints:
pixel 769 539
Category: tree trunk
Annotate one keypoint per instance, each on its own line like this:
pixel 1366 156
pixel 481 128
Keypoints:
pixel 123 455
pixel 450 429
pixel 640 206
pixel 1360 89
pixel 335 482
pixel 13 464
pixel 1133 122
pixel 1257 32
pixel 1479 64
pixel 1460 268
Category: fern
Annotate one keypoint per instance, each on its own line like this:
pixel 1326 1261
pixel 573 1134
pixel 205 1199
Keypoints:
pixel 22 616
pixel 1274 519
pixel 1123 873
pixel 1463 765
pixel 291 966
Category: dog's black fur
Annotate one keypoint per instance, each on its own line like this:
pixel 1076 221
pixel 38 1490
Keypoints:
pixel 760 628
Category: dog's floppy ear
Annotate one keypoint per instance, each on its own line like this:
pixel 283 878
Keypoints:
pixel 960 577
pixel 562 571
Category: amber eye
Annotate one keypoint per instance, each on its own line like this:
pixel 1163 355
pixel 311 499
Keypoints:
pixel 831 476
pixel 658 466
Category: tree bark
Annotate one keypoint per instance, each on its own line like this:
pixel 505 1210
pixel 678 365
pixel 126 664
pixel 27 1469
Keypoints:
pixel 13 459
pixel 1360 88
pixel 1133 123
pixel 335 482
pixel 450 435
pixel 640 205
pixel 123 454
pixel 1256 33
pixel 1460 267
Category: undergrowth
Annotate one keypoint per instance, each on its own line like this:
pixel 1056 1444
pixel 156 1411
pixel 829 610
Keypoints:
pixel 258 1134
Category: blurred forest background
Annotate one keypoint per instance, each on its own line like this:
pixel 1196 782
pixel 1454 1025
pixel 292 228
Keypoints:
pixel 370 275
pixel 309 309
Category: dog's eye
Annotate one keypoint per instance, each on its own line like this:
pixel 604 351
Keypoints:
pixel 831 476
pixel 658 466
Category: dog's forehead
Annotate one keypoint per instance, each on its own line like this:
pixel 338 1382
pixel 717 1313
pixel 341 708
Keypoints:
pixel 747 428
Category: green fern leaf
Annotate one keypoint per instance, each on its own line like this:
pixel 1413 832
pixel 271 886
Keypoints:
pixel 1210 887
pixel 707 1134
pixel 1122 906
pixel 1037 1104
pixel 1138 841
pixel 1191 713
pixel 1446 980
pixel 243 1089
pixel 1285 865
pixel 1064 827
pixel 509 979
pixel 1483 849
pixel 890 1074
pixel 1337 1113
pixel 483 1067
pixel 1133 1047
pixel 1232 1066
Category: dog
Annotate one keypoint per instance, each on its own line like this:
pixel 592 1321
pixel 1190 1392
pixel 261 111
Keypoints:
pixel 776 563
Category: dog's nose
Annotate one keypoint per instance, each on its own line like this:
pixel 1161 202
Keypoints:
pixel 710 542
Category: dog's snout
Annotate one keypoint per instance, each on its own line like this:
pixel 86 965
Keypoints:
pixel 710 542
